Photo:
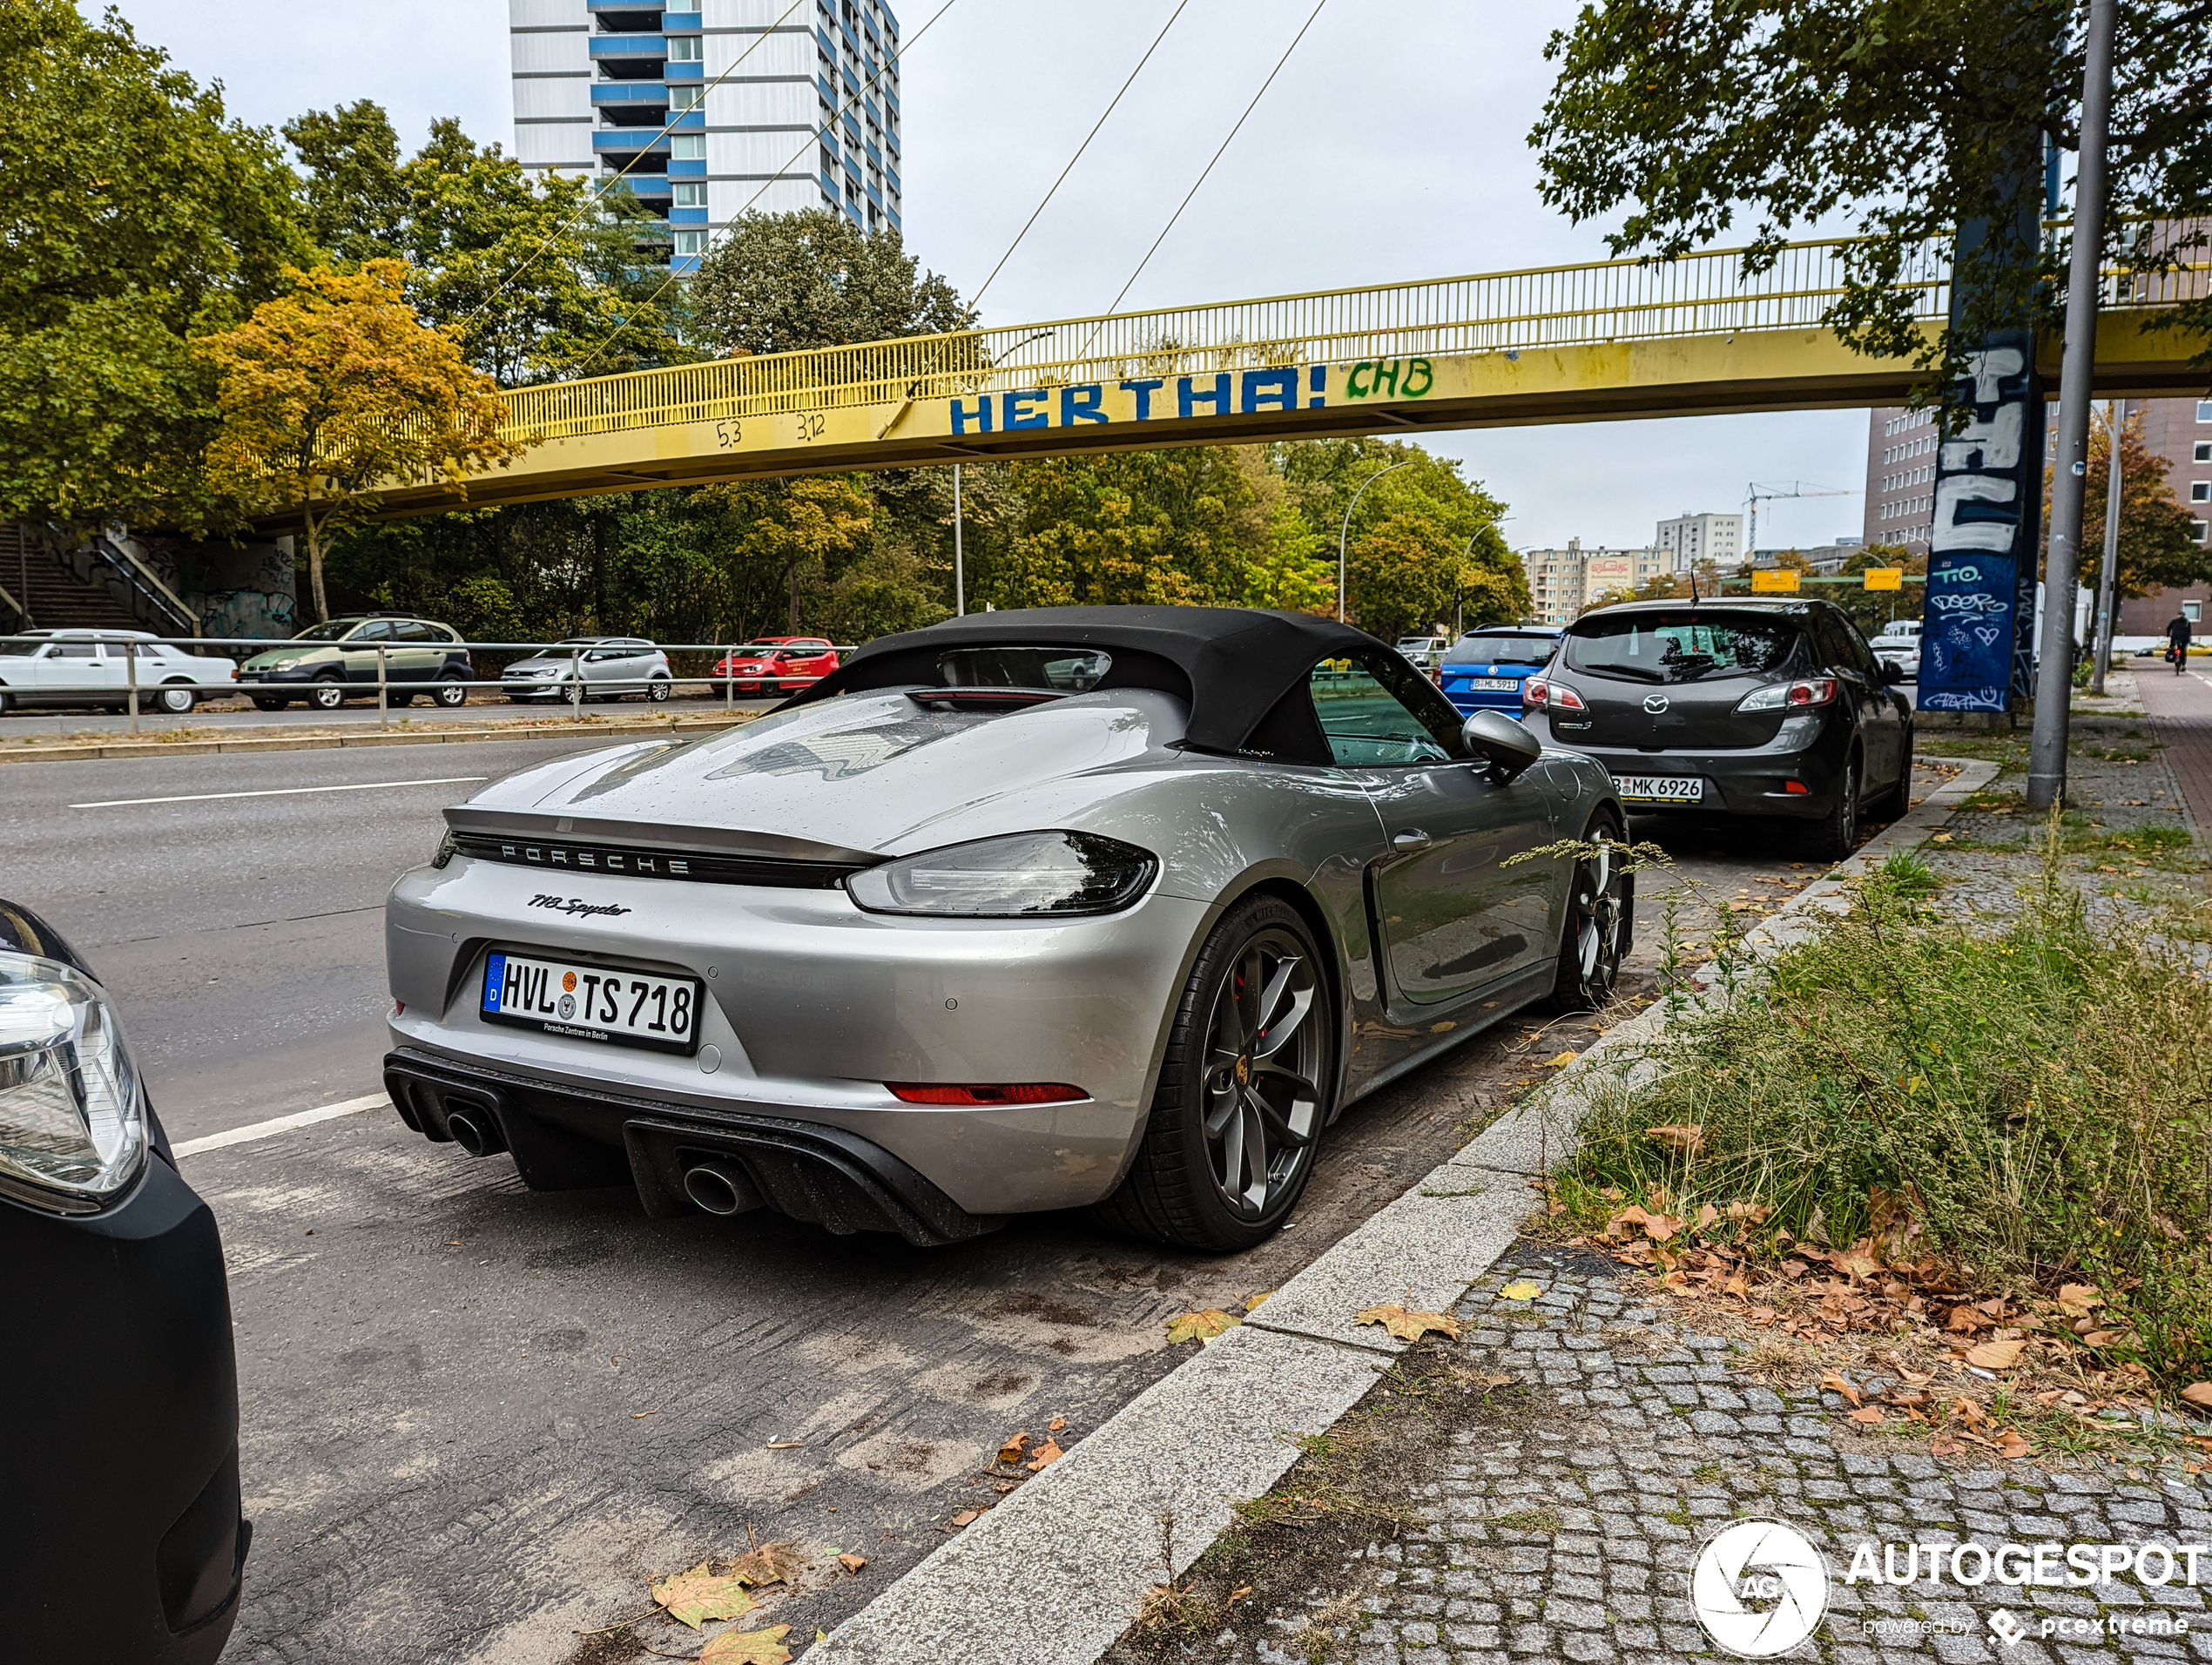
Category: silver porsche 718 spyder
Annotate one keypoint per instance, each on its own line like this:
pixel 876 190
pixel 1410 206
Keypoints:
pixel 1112 907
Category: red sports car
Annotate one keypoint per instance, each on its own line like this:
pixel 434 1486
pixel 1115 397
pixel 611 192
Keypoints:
pixel 777 664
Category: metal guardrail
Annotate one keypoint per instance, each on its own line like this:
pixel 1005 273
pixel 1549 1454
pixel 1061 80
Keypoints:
pixel 574 687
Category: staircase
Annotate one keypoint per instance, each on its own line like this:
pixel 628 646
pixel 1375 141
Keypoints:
pixel 46 591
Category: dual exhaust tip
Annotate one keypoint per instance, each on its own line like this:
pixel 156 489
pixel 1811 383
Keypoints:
pixel 720 1188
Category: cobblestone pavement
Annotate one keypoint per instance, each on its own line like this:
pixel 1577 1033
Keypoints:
pixel 1568 1531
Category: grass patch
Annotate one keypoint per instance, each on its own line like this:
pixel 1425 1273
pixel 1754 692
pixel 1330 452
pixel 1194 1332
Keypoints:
pixel 1904 876
pixel 2039 1100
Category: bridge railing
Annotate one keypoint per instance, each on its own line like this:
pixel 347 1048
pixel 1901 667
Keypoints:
pixel 1506 312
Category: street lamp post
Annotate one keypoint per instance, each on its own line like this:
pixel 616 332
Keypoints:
pixel 1344 530
pixel 2055 670
pixel 960 579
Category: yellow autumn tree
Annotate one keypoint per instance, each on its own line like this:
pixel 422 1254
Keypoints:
pixel 334 393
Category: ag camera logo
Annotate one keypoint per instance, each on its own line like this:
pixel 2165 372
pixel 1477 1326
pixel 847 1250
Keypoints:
pixel 1759 1588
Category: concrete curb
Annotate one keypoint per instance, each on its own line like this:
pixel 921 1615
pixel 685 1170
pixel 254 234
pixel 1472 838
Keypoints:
pixel 615 733
pixel 1089 1528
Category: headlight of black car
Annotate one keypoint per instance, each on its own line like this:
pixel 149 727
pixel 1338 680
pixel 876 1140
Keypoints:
pixel 1023 875
pixel 72 1118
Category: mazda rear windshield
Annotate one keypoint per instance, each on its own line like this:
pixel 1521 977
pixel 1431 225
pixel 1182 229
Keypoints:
pixel 1501 649
pixel 1670 647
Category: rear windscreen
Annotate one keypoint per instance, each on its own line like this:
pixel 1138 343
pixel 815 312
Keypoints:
pixel 1073 671
pixel 1501 649
pixel 1662 647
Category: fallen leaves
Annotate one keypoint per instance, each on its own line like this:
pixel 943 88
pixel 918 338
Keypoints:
pixel 851 1563
pixel 1046 1454
pixel 1015 1445
pixel 749 1647
pixel 968 1517
pixel 1409 1326
pixel 2076 1299
pixel 777 1563
pixel 1560 1060
pixel 2198 1393
pixel 1199 1326
pixel 693 1598
pixel 1684 1139
pixel 1995 1355
pixel 1522 1291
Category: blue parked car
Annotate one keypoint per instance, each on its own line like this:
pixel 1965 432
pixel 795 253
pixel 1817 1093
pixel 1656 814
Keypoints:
pixel 1483 670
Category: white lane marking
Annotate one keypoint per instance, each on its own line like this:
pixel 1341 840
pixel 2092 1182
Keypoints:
pixel 286 792
pixel 270 1128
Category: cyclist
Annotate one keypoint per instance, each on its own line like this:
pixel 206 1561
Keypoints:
pixel 2177 641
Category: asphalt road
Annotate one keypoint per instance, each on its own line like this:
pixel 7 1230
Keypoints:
pixel 477 1419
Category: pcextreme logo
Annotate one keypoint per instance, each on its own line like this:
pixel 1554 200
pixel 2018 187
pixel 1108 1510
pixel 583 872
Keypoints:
pixel 1759 1588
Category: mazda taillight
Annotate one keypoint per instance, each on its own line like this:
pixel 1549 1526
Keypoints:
pixel 1542 693
pixel 1801 695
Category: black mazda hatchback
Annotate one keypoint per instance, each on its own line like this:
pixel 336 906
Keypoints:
pixel 121 1538
pixel 1737 707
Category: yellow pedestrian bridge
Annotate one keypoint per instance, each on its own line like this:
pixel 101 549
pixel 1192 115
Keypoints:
pixel 1579 343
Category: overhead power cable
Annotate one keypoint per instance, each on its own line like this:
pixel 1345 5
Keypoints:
pixel 1217 155
pixel 777 178
pixel 976 300
pixel 563 230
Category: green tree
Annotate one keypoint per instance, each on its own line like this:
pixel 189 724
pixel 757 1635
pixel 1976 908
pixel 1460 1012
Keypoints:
pixel 777 283
pixel 805 530
pixel 1898 119
pixel 335 391
pixel 137 214
pixel 538 279
pixel 1444 552
pixel 2159 548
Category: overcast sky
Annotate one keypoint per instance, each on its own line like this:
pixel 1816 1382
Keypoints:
pixel 1392 147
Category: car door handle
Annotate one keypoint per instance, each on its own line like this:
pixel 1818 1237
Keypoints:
pixel 1411 839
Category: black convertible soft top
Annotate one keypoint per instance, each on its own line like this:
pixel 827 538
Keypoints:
pixel 1230 663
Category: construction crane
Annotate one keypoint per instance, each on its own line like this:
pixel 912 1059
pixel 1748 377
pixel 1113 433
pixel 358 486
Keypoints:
pixel 1755 493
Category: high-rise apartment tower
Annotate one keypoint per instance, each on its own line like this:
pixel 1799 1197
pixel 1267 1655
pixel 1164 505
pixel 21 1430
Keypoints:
pixel 725 107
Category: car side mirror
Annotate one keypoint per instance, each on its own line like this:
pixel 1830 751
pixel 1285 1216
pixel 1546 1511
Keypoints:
pixel 1892 673
pixel 1501 742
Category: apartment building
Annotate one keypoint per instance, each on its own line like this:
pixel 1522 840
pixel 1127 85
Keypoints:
pixel 1688 539
pixel 714 109
pixel 1562 581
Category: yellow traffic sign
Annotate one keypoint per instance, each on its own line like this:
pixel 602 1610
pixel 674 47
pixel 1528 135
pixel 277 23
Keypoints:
pixel 1775 581
pixel 1885 577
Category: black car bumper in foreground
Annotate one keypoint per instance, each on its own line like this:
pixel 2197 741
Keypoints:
pixel 121 1538
pixel 1797 774
pixel 566 1138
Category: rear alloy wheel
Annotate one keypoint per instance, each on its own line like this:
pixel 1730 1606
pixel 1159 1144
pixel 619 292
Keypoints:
pixel 451 694
pixel 175 697
pixel 1835 835
pixel 657 690
pixel 1600 925
pixel 327 696
pixel 1245 1089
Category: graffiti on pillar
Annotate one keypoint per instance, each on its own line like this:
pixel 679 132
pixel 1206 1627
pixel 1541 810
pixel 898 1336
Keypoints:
pixel 1988 490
